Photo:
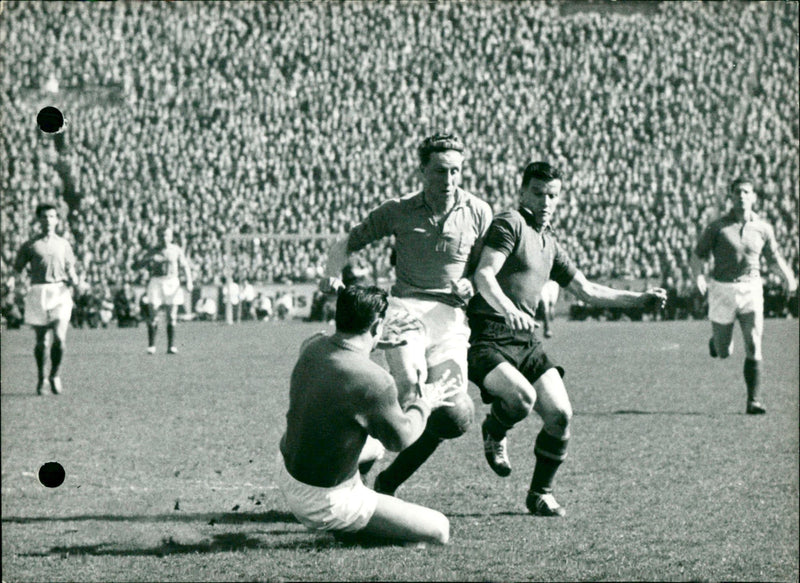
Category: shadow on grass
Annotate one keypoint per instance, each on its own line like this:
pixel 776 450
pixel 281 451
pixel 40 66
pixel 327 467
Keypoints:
pixel 220 543
pixel 640 412
pixel 177 516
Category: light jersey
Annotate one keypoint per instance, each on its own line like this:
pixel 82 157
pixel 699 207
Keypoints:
pixel 736 247
pixel 429 255
pixel 533 258
pixel 337 396
pixel 164 261
pixel 50 258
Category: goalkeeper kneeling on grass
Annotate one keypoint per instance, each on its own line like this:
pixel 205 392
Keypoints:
pixel 340 403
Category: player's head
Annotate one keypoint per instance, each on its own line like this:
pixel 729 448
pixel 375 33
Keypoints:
pixel 165 234
pixel 743 194
pixel 361 309
pixel 540 191
pixel 47 215
pixel 440 159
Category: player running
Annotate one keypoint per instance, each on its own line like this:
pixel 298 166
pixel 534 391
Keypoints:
pixel 164 288
pixel 735 291
pixel 337 398
pixel 437 234
pixel 506 360
pixel 48 304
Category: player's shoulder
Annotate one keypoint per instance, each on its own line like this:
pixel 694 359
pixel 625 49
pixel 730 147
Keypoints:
pixel 475 202
pixel 510 217
pixel 762 223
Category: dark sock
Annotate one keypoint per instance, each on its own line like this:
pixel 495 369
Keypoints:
pixel 151 334
pixel 752 378
pixel 56 353
pixel 38 354
pixel 409 460
pixel 170 335
pixel 550 452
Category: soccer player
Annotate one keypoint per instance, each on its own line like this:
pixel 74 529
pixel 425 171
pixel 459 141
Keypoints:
pixel 735 292
pixel 338 397
pixel 164 287
pixel 437 233
pixel 48 304
pixel 506 360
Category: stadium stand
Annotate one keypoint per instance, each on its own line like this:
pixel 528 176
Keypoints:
pixel 290 117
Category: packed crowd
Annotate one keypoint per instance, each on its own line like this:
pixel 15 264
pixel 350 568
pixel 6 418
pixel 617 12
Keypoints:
pixel 289 117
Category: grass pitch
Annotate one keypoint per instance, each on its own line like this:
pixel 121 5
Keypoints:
pixel 169 463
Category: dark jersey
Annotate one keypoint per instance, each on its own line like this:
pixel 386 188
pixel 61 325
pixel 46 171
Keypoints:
pixel 337 397
pixel 533 258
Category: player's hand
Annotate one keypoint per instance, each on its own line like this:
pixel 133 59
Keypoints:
pixel 395 329
pixel 462 289
pixel 789 287
pixel 330 285
pixel 189 287
pixel 702 285
pixel 437 393
pixel 655 297
pixel 519 321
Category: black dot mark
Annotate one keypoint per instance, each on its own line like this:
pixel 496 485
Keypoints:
pixel 50 120
pixel 52 475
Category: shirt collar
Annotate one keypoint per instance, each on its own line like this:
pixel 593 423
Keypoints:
pixel 529 219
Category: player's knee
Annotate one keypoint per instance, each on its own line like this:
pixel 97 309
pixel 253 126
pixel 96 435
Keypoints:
pixel 558 422
pixel 452 422
pixel 518 407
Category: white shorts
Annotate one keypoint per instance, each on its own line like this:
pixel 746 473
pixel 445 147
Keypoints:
pixel 164 291
pixel 727 300
pixel 46 303
pixel 347 507
pixel 440 329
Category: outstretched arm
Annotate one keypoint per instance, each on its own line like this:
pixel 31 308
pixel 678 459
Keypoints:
pixel 608 297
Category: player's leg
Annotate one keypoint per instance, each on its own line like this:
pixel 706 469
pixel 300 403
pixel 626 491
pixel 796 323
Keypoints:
pixel 752 324
pixel 151 319
pixel 57 349
pixel 513 398
pixel 396 519
pixel 172 321
pixel 39 349
pixel 722 314
pixel 721 343
pixel 554 407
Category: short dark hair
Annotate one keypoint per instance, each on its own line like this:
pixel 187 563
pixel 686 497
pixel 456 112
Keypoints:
pixel 44 207
pixel 438 143
pixel 540 171
pixel 357 307
pixel 745 179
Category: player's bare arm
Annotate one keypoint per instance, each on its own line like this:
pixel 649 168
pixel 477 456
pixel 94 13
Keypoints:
pixel 396 428
pixel 486 281
pixel 697 266
pixel 187 270
pixel 608 297
pixel 778 263
pixel 337 259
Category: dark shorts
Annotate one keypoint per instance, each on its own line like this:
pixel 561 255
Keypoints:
pixel 493 343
